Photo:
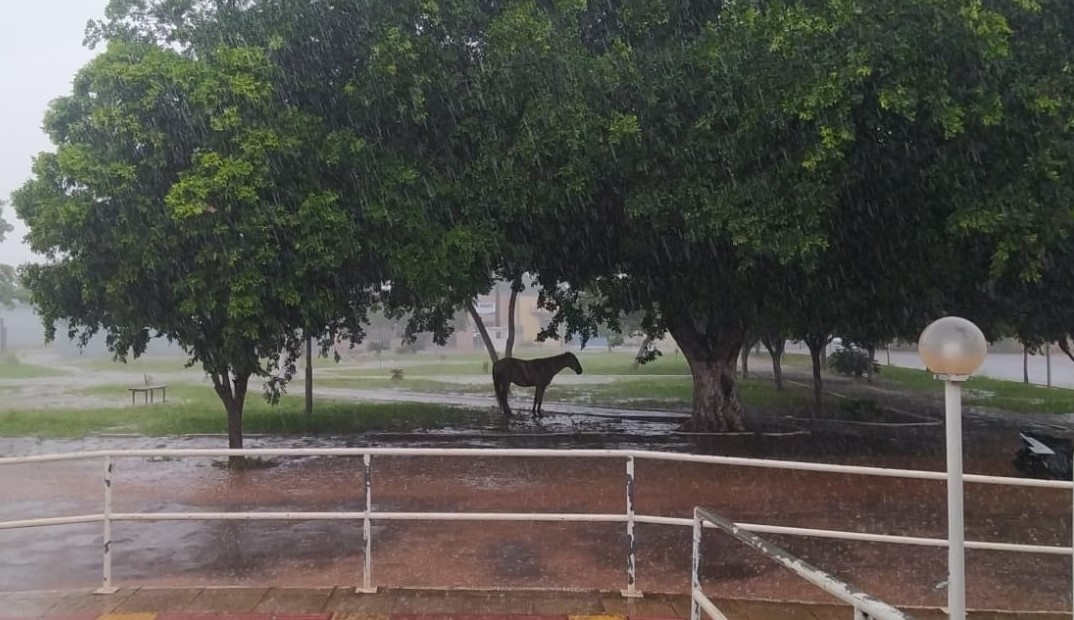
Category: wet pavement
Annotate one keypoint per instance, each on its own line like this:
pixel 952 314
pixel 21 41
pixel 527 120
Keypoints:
pixel 344 604
pixel 522 555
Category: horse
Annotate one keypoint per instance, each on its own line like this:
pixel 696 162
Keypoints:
pixel 529 373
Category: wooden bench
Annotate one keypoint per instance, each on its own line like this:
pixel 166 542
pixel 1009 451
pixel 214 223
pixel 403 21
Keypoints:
pixel 148 391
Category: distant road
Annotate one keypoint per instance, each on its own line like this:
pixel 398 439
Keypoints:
pixel 997 365
pixel 1004 366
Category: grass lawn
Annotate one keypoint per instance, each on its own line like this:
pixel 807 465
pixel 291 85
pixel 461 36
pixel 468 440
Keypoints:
pixel 665 387
pixel 12 368
pixel 619 363
pixel 196 409
pixel 408 384
pixel 984 392
pixel 677 393
pixel 648 392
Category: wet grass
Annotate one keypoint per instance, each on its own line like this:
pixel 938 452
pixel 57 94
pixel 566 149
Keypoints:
pixel 649 392
pixel 422 384
pixel 196 409
pixel 983 391
pixel 675 393
pixel 432 364
pixel 12 368
pixel 618 363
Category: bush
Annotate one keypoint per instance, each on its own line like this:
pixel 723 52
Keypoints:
pixel 852 362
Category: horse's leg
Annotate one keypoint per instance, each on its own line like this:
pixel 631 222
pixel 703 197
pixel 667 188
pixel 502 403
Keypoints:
pixel 533 409
pixel 501 387
pixel 538 400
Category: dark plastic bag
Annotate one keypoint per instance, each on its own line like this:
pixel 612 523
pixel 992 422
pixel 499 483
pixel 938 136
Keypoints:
pixel 1045 456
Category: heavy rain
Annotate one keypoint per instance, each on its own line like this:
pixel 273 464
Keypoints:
pixel 381 306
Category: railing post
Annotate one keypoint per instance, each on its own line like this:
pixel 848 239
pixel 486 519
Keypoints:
pixel 695 569
pixel 106 552
pixel 632 566
pixel 367 529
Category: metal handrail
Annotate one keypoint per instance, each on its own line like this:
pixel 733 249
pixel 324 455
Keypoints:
pixel 865 606
pixel 630 517
pixel 548 452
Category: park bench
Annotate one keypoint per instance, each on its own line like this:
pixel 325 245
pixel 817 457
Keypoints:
pixel 148 392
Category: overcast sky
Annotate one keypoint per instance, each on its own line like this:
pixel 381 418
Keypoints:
pixel 40 51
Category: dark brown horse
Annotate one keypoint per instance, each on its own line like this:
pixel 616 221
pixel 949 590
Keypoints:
pixel 529 373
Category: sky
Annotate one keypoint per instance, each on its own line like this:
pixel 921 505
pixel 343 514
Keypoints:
pixel 40 52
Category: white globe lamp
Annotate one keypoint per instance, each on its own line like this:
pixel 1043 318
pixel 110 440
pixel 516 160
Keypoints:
pixel 954 348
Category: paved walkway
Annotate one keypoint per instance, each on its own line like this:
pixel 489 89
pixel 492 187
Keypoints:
pixel 344 604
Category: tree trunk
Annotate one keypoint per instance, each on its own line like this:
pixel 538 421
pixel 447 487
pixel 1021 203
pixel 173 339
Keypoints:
pixel 717 406
pixel 309 376
pixel 869 369
pixel 816 348
pixel 775 345
pixel 1048 365
pixel 744 355
pixel 232 392
pixel 509 348
pixel 640 356
pixel 1025 364
pixel 712 360
pixel 491 348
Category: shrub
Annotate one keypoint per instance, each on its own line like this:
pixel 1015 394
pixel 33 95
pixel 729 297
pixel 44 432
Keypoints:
pixel 852 362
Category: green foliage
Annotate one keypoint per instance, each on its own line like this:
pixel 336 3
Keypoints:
pixel 185 202
pixel 10 291
pixel 4 226
pixel 852 362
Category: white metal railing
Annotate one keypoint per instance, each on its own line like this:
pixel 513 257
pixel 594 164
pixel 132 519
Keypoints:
pixel 629 517
pixel 865 607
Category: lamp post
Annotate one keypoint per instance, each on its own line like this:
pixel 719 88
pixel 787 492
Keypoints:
pixel 953 348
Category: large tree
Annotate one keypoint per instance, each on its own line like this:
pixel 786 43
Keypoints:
pixel 9 286
pixel 696 160
pixel 187 201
